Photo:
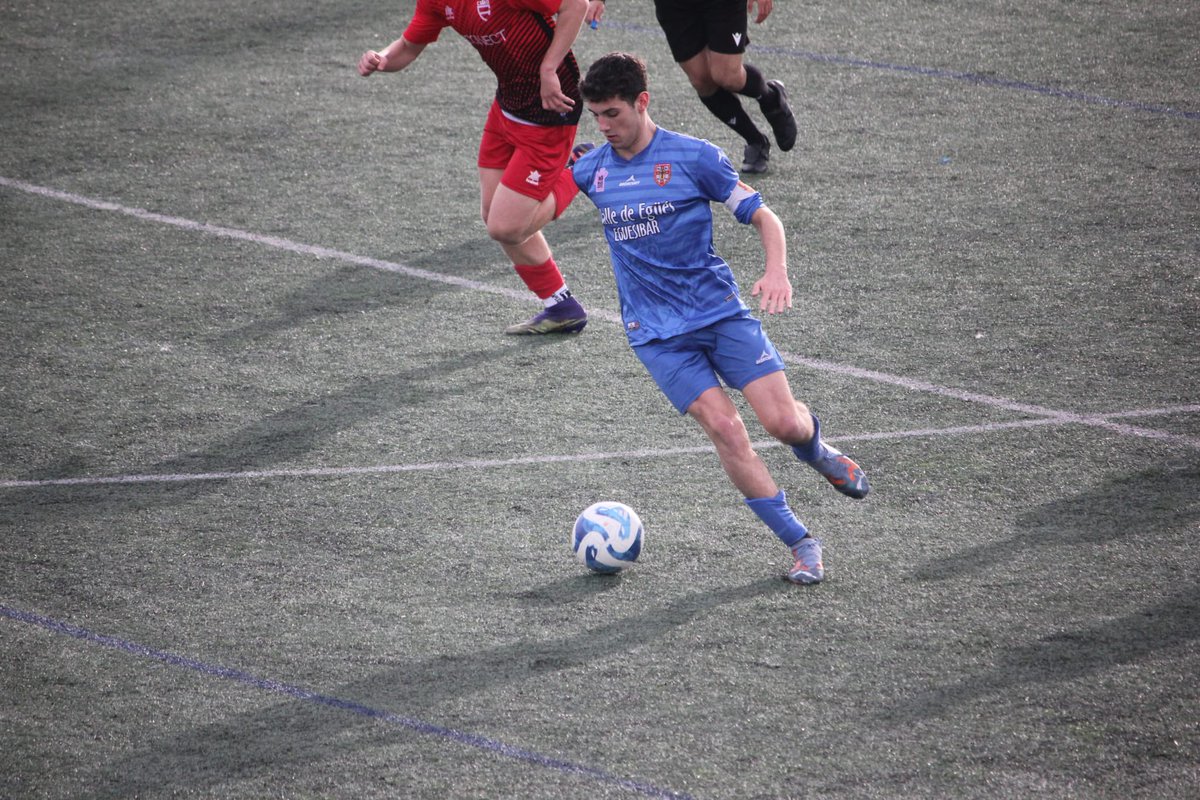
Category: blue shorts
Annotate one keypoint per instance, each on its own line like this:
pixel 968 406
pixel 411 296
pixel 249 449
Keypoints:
pixel 684 367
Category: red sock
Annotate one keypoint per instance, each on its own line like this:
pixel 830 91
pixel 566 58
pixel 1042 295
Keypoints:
pixel 564 192
pixel 542 279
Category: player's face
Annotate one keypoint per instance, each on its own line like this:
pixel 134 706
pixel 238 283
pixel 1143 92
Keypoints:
pixel 626 126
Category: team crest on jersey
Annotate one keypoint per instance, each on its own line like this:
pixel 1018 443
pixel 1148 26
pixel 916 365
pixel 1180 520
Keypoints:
pixel 601 177
pixel 662 174
pixel 484 7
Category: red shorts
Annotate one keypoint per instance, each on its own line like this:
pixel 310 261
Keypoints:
pixel 532 156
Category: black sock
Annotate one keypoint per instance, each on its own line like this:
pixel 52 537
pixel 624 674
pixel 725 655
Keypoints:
pixel 726 107
pixel 756 83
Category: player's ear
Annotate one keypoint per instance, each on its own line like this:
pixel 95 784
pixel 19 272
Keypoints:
pixel 642 102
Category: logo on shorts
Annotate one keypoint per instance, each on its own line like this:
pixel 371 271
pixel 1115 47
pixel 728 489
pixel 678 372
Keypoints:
pixel 484 7
pixel 737 39
pixel 632 326
pixel 534 178
pixel 765 357
pixel 662 174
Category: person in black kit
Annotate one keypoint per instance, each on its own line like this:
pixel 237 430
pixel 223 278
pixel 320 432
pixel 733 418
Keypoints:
pixel 707 38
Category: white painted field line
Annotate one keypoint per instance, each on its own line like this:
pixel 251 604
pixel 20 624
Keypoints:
pixel 267 241
pixel 391 266
pixel 923 386
pixel 1094 420
pixel 1189 408
pixel 333 472
pixel 443 466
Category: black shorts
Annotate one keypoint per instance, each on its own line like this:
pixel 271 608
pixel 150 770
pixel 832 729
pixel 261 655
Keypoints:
pixel 692 25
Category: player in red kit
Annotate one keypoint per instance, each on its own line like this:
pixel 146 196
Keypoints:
pixel 523 177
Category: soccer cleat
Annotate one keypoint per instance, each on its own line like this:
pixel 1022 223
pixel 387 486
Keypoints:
pixel 808 567
pixel 755 156
pixel 779 115
pixel 566 316
pixel 846 476
pixel 578 151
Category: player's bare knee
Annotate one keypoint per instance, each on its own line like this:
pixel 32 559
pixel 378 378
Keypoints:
pixel 788 429
pixel 730 78
pixel 728 432
pixel 790 425
pixel 506 233
pixel 704 85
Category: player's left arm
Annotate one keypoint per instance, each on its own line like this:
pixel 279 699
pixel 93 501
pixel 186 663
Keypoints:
pixel 764 9
pixel 717 178
pixel 774 288
pixel 566 28
pixel 595 13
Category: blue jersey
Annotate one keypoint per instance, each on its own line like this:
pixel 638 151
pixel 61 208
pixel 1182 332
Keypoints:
pixel 658 222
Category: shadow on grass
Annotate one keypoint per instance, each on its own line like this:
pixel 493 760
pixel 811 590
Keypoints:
pixel 1171 628
pixel 280 439
pixel 297 737
pixel 354 289
pixel 1161 499
pixel 1158 501
pixel 569 590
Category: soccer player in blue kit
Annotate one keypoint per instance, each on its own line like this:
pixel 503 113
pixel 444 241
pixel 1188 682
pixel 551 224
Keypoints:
pixel 680 304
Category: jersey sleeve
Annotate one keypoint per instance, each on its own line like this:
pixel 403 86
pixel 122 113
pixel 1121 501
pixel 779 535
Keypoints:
pixel 426 24
pixel 743 201
pixel 720 183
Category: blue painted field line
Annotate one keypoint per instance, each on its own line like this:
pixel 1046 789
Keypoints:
pixel 484 743
pixel 991 81
pixel 977 78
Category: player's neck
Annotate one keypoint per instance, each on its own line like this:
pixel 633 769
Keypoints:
pixel 645 136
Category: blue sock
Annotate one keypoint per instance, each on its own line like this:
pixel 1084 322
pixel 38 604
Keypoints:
pixel 774 511
pixel 814 449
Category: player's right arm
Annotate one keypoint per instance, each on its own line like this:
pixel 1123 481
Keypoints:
pixel 393 58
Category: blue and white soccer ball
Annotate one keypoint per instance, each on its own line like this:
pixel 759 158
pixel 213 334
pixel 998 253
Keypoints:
pixel 607 537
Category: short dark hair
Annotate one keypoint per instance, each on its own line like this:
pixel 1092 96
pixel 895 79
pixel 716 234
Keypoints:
pixel 620 75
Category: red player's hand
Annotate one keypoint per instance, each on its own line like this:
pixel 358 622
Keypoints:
pixel 371 61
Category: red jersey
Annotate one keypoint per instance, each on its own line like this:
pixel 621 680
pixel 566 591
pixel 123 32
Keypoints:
pixel 511 36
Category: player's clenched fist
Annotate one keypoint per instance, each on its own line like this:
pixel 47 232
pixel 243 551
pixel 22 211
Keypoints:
pixel 371 61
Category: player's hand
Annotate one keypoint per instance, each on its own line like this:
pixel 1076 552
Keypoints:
pixel 553 98
pixel 764 9
pixel 775 292
pixel 371 61
pixel 595 14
